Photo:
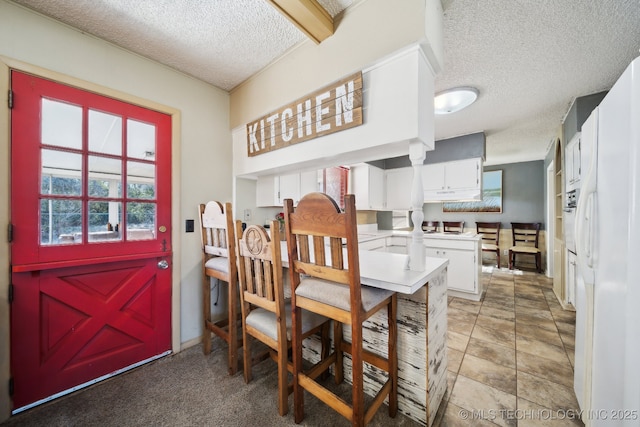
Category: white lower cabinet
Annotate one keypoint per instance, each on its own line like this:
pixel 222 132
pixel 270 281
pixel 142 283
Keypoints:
pixel 397 244
pixel 464 269
pixel 373 245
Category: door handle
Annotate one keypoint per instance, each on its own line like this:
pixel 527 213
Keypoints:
pixel 164 264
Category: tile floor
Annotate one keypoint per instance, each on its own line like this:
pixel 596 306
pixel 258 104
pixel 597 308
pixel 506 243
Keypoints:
pixel 511 355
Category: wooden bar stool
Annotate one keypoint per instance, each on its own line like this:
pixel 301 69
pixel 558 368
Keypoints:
pixel 266 315
pixel 324 282
pixel 219 262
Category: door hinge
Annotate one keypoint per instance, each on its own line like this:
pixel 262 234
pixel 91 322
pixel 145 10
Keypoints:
pixel 11 386
pixel 10 100
pixel 10 233
pixel 11 289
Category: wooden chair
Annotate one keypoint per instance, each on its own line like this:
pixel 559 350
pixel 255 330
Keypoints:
pixel 430 226
pixel 525 242
pixel 490 234
pixel 453 226
pixel 266 315
pixel 328 284
pixel 219 262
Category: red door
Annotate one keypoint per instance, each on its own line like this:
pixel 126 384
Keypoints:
pixel 91 247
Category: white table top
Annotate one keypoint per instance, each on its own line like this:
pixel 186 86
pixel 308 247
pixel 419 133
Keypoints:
pixel 386 270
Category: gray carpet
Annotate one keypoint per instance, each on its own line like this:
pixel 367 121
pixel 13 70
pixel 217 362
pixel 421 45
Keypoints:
pixel 186 389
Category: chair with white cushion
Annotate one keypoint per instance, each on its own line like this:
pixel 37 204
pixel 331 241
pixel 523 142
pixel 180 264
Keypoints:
pixel 266 314
pixel 325 279
pixel 219 262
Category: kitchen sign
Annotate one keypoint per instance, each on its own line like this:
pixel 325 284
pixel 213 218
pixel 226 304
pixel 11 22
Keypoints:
pixel 333 108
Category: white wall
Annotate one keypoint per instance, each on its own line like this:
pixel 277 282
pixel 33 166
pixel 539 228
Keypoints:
pixel 201 155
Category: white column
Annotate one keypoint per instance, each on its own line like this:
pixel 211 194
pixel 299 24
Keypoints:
pixel 416 247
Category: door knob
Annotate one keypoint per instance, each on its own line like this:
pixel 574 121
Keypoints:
pixel 164 264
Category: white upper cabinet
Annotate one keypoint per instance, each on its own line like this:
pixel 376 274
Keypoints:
pixel 399 188
pixel 572 163
pixel 367 184
pixel 308 182
pixel 457 180
pixel 271 190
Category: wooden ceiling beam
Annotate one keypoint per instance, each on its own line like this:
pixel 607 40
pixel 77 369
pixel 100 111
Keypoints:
pixel 308 15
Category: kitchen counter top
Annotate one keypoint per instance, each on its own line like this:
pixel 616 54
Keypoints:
pixel 389 271
pixel 372 235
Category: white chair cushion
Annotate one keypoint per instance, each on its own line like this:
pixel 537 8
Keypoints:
pixel 524 249
pixel 489 247
pixel 265 321
pixel 337 294
pixel 218 263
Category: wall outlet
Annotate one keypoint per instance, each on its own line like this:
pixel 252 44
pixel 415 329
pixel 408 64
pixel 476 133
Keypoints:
pixel 247 214
pixel 505 252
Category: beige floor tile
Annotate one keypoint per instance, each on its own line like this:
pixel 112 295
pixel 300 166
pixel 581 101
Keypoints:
pixel 489 373
pixel 499 303
pixel 546 393
pixel 455 416
pixel 566 316
pixel 498 313
pixel 537 304
pixel 536 320
pixel 568 340
pixel 499 354
pixel 457 341
pixel 494 322
pixel 501 337
pixel 567 328
pixel 541 334
pixel 529 291
pixel 455 359
pixel 543 314
pixel 466 305
pixel 460 321
pixel 475 396
pixel 530 414
pixel 552 370
pixel 541 349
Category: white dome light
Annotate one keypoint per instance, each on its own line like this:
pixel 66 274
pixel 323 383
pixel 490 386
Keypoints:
pixel 452 100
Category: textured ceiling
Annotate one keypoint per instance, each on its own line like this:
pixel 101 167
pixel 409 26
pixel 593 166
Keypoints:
pixel 528 58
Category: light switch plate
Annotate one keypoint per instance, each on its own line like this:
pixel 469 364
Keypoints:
pixel 247 214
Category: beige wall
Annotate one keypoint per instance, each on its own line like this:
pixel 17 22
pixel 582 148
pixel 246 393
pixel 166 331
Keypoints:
pixel 201 153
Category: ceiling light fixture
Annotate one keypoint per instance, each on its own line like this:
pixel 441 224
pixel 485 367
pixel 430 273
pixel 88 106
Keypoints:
pixel 453 100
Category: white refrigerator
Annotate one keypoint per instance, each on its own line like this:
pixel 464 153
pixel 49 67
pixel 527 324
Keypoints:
pixel 607 347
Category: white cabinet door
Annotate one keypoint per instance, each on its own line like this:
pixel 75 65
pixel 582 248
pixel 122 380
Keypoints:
pixel 308 182
pixel 372 245
pixel 463 174
pixel 367 184
pixel 289 188
pixel 433 177
pixel 449 181
pixel 461 274
pixel 572 162
pixel 397 244
pixel 398 188
pixel 267 191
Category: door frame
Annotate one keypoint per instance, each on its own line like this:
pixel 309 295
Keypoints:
pixel 551 208
pixel 7 64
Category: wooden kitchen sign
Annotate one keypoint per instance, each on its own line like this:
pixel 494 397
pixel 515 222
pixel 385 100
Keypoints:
pixel 333 108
